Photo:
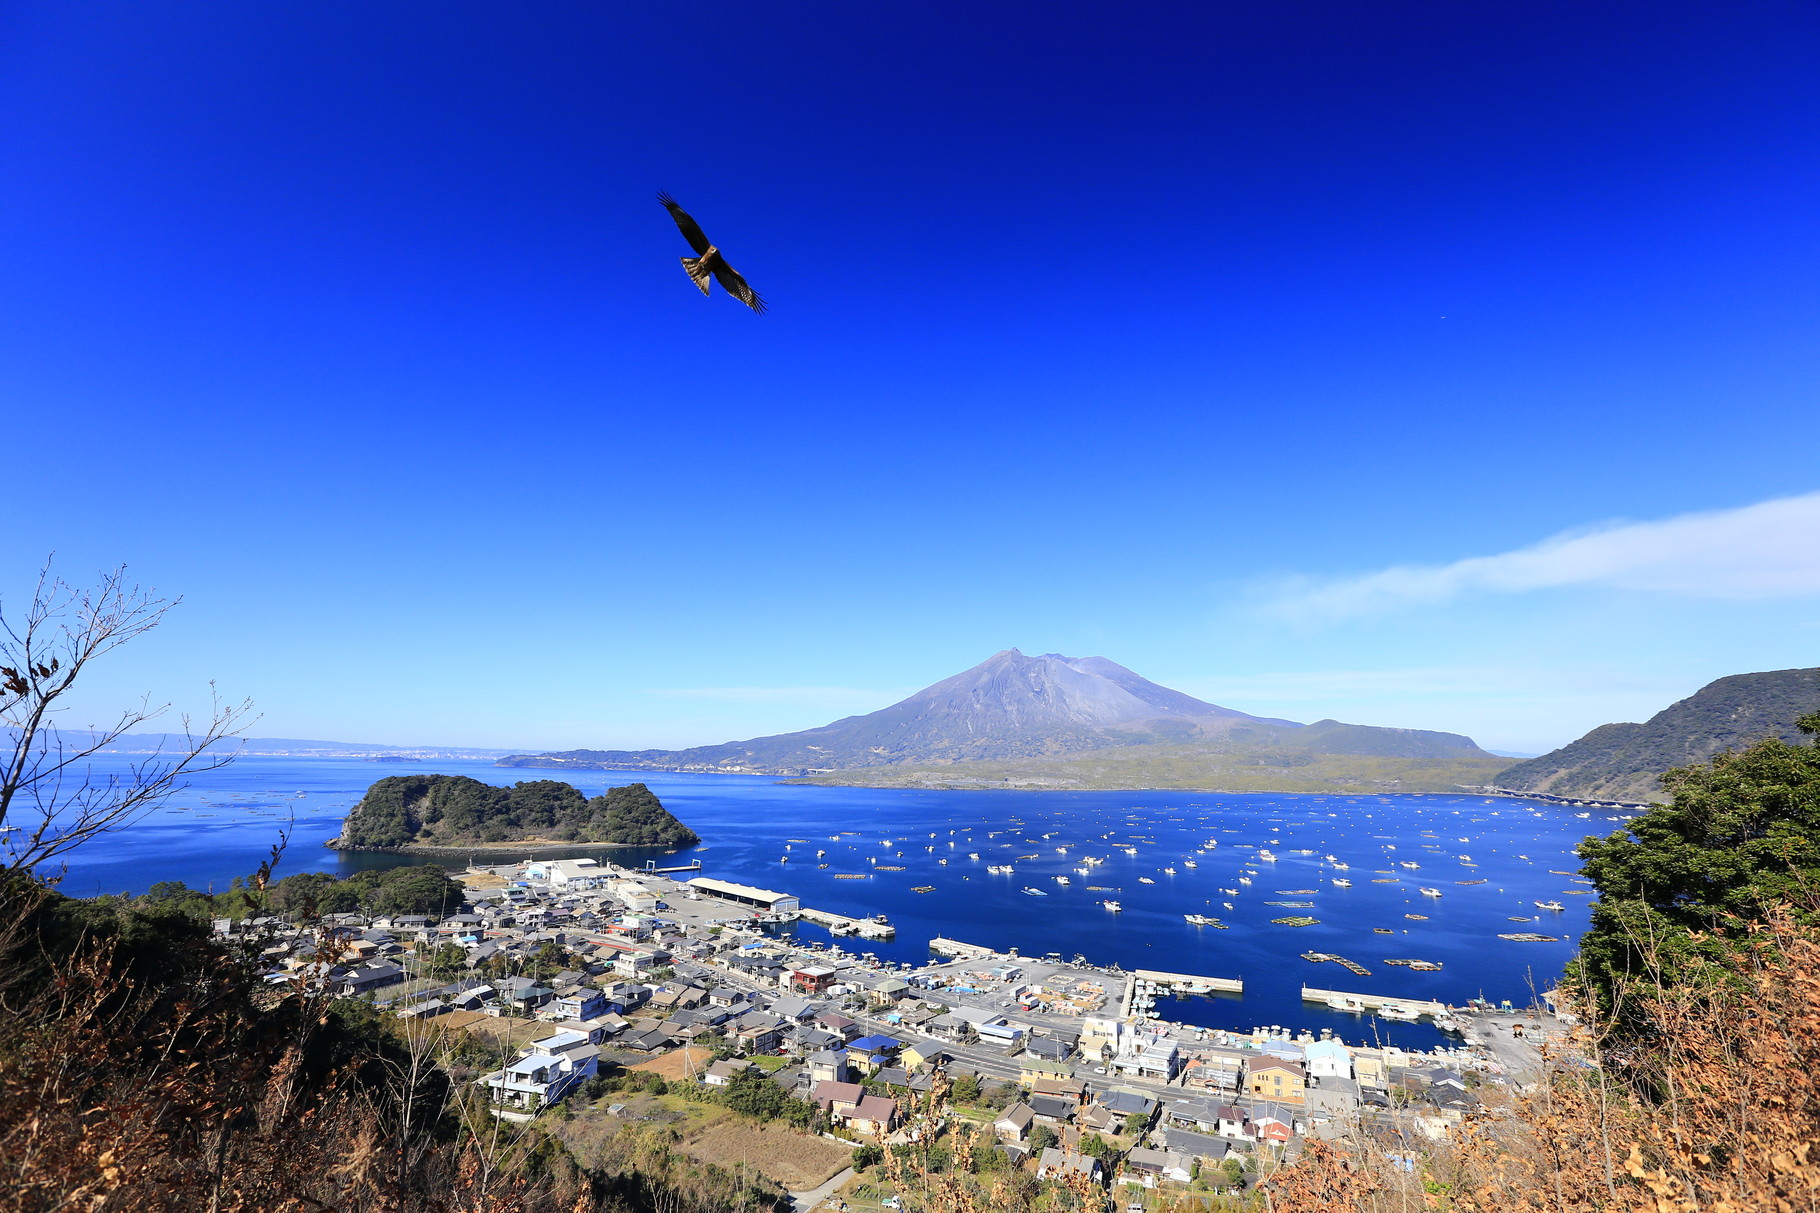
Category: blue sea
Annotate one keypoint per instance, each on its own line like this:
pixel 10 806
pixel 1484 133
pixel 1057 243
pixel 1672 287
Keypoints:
pixel 758 831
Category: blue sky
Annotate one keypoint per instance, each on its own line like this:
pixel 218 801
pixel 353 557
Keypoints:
pixel 1160 332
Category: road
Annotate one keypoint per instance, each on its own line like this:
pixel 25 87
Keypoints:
pixel 802 1202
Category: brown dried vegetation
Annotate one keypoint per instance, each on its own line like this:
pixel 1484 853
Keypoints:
pixel 1715 1106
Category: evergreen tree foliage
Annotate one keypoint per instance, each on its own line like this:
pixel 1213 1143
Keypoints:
pixel 455 810
pixel 1741 834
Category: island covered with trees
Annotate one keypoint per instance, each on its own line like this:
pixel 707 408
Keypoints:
pixel 405 812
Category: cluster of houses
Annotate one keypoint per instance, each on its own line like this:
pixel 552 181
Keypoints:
pixel 640 985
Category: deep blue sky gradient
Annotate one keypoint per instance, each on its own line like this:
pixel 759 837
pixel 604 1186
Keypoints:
pixel 357 325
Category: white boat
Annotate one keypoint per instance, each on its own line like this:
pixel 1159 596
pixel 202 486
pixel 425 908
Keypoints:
pixel 1431 892
pixel 1063 880
pixel 1190 863
pixel 1344 884
pixel 1401 1014
pixel 1114 906
pixel 1549 905
pixel 1226 904
pixel 1342 866
pixel 1266 856
pixel 973 854
pixel 1244 880
pixel 1034 892
pixel 1145 880
pixel 1407 863
pixel 1346 1003
pixel 1169 871
pixel 1201 920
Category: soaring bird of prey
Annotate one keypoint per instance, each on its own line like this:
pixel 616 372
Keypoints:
pixel 708 263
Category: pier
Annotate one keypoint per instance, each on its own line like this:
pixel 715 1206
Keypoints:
pixel 959 950
pixel 840 924
pixel 1143 980
pixel 651 866
pixel 1372 1002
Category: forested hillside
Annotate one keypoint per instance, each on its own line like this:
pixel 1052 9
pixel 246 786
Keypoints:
pixel 454 810
pixel 1624 761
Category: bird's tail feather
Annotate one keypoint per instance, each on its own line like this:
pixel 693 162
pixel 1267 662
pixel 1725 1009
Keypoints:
pixel 700 276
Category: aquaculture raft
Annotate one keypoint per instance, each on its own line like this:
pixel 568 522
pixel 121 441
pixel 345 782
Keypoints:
pixel 1531 937
pixel 1354 966
pixel 1296 920
pixel 1417 917
pixel 1420 966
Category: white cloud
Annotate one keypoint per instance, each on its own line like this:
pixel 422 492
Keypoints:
pixel 1767 550
pixel 829 697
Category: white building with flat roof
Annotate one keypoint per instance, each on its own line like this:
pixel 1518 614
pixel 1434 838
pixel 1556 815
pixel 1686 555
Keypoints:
pixel 745 894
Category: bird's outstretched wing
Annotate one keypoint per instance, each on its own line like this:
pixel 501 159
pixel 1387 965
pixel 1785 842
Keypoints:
pixel 690 229
pixel 730 281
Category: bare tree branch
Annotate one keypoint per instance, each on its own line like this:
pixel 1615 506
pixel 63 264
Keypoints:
pixel 51 800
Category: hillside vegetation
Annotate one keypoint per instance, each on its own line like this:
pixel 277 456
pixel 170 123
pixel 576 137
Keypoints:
pixel 1210 766
pixel 1626 761
pixel 454 810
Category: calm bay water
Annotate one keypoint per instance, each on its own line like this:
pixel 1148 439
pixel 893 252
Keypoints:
pixel 758 831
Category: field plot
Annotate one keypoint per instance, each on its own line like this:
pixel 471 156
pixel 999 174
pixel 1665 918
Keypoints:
pixel 678 1065
pixel 503 1030
pixel 795 1160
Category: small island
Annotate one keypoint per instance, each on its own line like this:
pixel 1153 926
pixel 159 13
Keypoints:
pixel 432 812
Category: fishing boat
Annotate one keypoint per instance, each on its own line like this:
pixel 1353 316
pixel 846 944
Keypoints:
pixel 1201 920
pixel 1034 892
pixel 1114 906
pixel 1344 884
pixel 1063 880
pixel 1549 905
pixel 1346 1002
pixel 1399 1013
pixel 1145 880
pixel 1431 892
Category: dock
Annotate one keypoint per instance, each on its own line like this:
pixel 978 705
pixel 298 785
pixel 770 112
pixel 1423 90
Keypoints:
pixel 1189 983
pixel 963 951
pixel 686 867
pixel 1176 983
pixel 1371 1002
pixel 840 924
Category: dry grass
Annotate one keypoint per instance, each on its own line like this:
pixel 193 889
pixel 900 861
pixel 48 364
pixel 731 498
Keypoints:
pixel 502 1030
pixel 675 1066
pixel 795 1160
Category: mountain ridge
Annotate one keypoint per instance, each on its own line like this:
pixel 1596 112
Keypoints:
pixel 1624 760
pixel 1016 708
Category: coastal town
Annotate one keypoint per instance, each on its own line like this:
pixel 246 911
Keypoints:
pixel 581 968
